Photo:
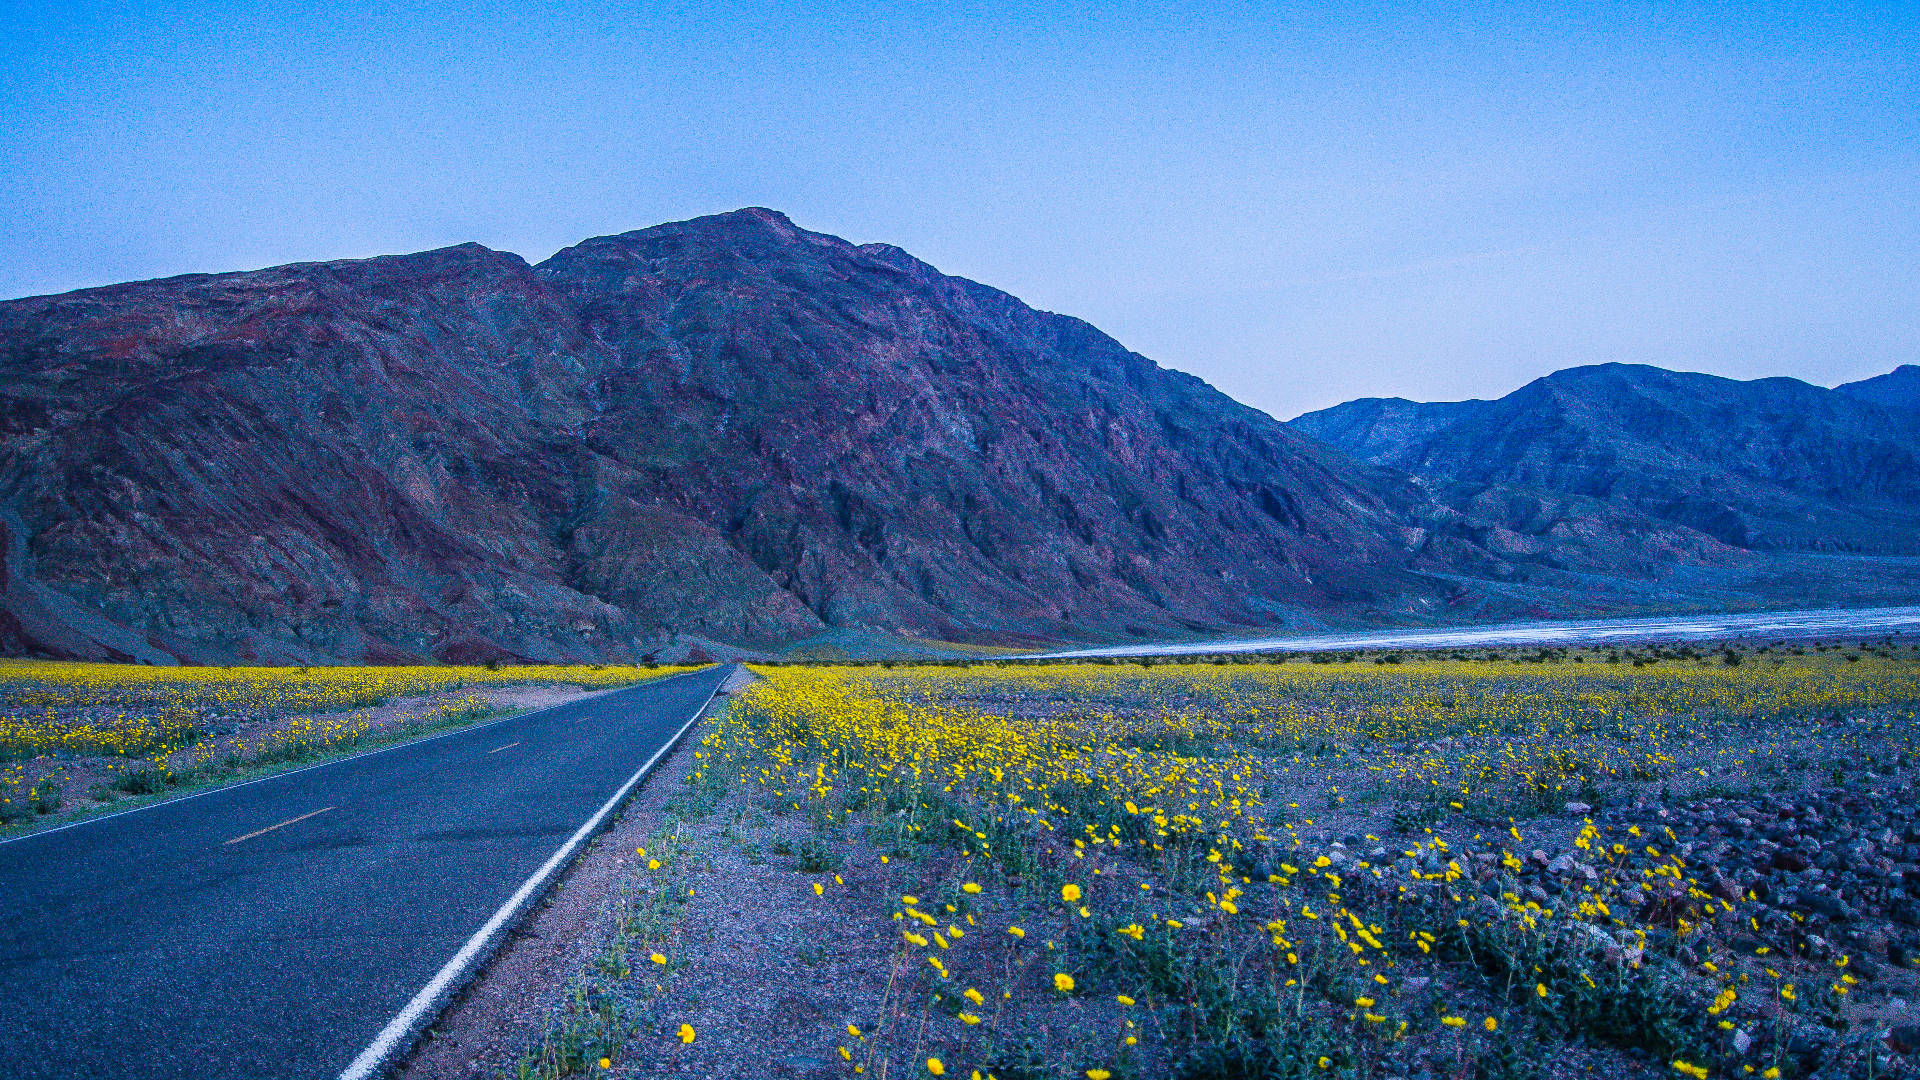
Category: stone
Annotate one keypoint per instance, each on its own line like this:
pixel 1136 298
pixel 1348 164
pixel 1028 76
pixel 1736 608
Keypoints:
pixel 1808 1041
pixel 1904 911
pixel 1831 906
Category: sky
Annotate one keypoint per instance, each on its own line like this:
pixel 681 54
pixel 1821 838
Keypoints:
pixel 1300 203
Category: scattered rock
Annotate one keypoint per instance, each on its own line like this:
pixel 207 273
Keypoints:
pixel 1904 1039
pixel 1831 906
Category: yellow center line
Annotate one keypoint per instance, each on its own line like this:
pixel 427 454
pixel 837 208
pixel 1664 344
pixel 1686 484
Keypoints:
pixel 282 825
pixel 497 749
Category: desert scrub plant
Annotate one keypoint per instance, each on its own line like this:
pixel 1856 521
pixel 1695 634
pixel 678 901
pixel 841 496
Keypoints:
pixel 44 797
pixel 1563 977
pixel 604 1006
pixel 700 791
pixel 817 856
pixel 1415 816
pixel 145 780
pixel 590 1027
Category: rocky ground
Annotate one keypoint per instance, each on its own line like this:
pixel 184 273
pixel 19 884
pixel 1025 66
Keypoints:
pixel 1827 883
pixel 770 974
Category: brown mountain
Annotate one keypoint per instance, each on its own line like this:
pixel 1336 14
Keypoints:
pixel 727 428
pixel 732 431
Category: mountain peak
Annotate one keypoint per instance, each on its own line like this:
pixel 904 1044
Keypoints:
pixel 755 233
pixel 1899 388
pixel 754 218
pixel 771 217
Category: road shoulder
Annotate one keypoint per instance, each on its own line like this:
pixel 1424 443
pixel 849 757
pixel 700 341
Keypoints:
pixel 504 1009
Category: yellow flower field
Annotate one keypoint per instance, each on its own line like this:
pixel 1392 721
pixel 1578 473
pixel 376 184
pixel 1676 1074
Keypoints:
pixel 161 726
pixel 131 709
pixel 1277 869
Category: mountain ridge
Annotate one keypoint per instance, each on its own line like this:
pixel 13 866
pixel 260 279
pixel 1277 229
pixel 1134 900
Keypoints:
pixel 1767 464
pixel 725 429
pixel 1899 388
pixel 723 432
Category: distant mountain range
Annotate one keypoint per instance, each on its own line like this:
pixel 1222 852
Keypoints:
pixel 1899 388
pixel 732 432
pixel 1773 465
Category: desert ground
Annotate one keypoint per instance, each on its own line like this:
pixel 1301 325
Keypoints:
pixel 1646 861
pixel 77 739
pixel 1654 862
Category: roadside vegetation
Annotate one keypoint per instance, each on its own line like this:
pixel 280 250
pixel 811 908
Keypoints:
pixel 78 736
pixel 1491 864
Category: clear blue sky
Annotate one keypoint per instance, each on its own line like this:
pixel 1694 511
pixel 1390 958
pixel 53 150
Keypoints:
pixel 1301 204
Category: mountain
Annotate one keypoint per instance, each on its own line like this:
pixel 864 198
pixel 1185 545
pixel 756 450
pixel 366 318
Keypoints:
pixel 1380 429
pixel 732 433
pixel 1898 389
pixel 728 429
pixel 1773 465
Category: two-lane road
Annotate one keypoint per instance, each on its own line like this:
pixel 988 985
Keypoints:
pixel 278 928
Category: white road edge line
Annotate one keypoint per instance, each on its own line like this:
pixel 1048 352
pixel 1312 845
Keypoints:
pixel 396 1036
pixel 655 681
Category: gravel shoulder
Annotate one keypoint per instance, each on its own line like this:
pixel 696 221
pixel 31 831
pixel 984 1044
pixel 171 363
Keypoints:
pixel 500 1017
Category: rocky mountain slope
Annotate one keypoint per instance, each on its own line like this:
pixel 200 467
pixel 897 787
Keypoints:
pixel 726 431
pixel 1898 389
pixel 1773 465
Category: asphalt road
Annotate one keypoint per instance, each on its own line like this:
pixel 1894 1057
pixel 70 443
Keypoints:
pixel 273 929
